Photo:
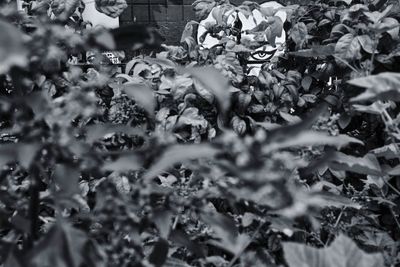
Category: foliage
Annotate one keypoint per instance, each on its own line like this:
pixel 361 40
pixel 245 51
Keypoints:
pixel 187 160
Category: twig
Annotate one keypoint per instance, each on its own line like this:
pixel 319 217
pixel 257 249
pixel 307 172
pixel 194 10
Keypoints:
pixel 335 226
pixel 391 186
pixel 240 252
pixel 346 63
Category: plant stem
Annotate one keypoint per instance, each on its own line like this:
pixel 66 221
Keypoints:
pixel 238 254
pixel 335 226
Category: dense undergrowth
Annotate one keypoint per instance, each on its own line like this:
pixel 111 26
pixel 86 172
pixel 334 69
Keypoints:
pixel 184 159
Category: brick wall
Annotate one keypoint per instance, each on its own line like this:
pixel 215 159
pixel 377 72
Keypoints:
pixel 171 16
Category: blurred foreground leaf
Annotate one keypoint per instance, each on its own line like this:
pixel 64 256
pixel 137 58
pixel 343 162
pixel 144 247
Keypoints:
pixel 343 252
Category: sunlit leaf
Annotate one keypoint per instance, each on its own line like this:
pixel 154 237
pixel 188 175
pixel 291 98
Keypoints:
pixel 342 252
pixel 382 86
pixel 97 131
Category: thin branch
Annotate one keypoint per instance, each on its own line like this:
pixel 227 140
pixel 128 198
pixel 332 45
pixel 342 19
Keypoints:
pixel 240 252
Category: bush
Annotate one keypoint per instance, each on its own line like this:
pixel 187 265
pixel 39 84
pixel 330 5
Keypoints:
pixel 185 159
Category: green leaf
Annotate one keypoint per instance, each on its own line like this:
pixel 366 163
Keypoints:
pixel 67 179
pixel 274 30
pixel 12 50
pixel 383 86
pixel 125 162
pixel 64 8
pixel 348 48
pixel 160 252
pixel 23 153
pixel 316 51
pixel 112 8
pixel 226 232
pixel 343 252
pixel 376 108
pixel 63 246
pixel 365 165
pixel 142 93
pixel 215 82
pixel 179 154
pixel 97 131
pixel 311 138
pixel 388 152
pixel 299 34
pixel 191 116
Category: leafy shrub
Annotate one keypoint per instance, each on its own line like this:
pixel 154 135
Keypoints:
pixel 186 160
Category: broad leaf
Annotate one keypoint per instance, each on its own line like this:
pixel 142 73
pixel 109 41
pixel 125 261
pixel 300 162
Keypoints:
pixel 64 8
pixel 94 132
pixel 112 8
pixel 142 94
pixel 383 86
pixel 12 50
pixel 63 246
pixel 365 165
pixel 311 138
pixel 215 82
pixel 343 252
pixel 179 154
pixel 299 34
pixel 348 48
pixel 67 179
pixel 226 232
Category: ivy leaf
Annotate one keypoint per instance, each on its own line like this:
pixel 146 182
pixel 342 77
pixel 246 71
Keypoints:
pixel 12 50
pixel 179 154
pixel 343 252
pixel 383 86
pixel 111 8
